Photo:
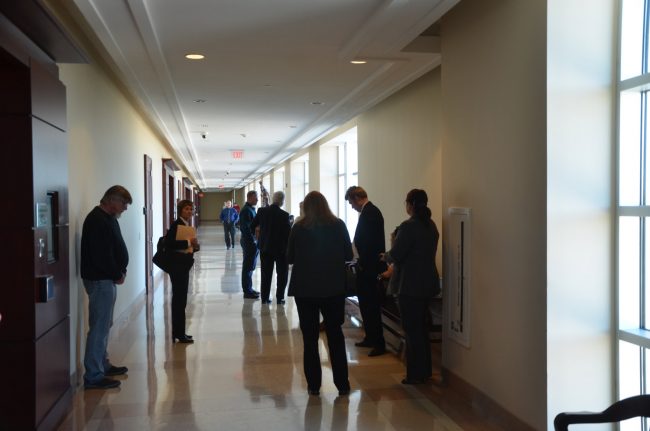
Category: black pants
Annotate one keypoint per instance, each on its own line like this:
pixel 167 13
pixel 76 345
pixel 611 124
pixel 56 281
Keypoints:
pixel 180 283
pixel 229 233
pixel 370 306
pixel 333 311
pixel 248 265
pixel 413 312
pixel 267 261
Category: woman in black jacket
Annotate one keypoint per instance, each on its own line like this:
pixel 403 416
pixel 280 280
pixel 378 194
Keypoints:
pixel 182 251
pixel 417 281
pixel 319 245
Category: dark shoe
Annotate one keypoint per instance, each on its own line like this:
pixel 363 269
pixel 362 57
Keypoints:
pixel 116 371
pixel 314 392
pixel 251 295
pixel 183 339
pixel 412 382
pixel 363 343
pixel 188 336
pixel 280 301
pixel 103 384
pixel 377 351
pixel 266 301
pixel 255 292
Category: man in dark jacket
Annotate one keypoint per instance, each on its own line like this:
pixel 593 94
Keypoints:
pixel 369 243
pixel 249 245
pixel 274 233
pixel 104 259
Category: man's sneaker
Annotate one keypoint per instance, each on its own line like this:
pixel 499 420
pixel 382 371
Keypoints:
pixel 116 371
pixel 103 384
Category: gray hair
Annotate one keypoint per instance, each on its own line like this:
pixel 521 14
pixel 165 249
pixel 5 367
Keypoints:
pixel 117 192
pixel 278 198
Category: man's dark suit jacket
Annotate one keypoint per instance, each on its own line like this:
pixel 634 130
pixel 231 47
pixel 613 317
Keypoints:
pixel 274 230
pixel 369 239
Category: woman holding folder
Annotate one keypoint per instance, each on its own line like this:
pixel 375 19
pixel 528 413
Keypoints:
pixel 181 239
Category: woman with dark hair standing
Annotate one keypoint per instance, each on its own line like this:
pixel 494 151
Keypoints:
pixel 319 245
pixel 182 251
pixel 414 253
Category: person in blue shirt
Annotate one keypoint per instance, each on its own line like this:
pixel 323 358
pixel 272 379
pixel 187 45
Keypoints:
pixel 229 217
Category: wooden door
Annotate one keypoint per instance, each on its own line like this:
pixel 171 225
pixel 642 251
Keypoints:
pixel 169 193
pixel 148 224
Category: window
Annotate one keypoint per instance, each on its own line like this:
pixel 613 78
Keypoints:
pixel 278 180
pixel 339 171
pixel 299 183
pixel 633 206
pixel 266 182
pixel 348 176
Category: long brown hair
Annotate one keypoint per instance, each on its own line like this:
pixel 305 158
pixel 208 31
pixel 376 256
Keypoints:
pixel 317 211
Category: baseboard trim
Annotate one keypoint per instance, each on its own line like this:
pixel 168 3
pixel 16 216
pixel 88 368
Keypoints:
pixel 482 404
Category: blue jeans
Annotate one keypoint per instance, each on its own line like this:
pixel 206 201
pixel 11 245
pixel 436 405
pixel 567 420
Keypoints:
pixel 101 301
pixel 248 265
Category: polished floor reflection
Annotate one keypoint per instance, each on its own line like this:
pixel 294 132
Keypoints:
pixel 244 372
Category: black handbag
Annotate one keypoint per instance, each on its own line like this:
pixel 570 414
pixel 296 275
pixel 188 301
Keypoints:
pixel 351 272
pixel 162 259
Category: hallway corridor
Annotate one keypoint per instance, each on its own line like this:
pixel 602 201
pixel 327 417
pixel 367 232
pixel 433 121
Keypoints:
pixel 244 372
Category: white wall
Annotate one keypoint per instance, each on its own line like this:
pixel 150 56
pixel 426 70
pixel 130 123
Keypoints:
pixel 107 143
pixel 580 186
pixel 494 162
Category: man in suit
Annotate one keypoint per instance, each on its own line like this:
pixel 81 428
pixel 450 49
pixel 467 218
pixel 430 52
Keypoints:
pixel 274 227
pixel 249 245
pixel 369 243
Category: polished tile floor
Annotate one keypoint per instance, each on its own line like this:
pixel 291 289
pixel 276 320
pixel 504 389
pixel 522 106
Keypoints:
pixel 244 372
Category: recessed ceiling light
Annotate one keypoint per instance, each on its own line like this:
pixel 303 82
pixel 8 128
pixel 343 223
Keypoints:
pixel 199 100
pixel 194 56
pixel 292 127
pixel 358 61
pixel 316 102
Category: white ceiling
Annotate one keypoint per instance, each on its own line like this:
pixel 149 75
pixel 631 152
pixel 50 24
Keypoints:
pixel 268 63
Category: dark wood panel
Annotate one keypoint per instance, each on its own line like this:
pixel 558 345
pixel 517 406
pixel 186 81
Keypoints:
pixel 17 397
pixel 52 312
pixel 47 96
pixel 38 25
pixel 17 288
pixel 52 368
pixel 14 86
pixel 35 334
pixel 50 179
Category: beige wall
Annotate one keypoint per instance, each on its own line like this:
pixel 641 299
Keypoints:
pixel 212 203
pixel 107 143
pixel 494 162
pixel 400 148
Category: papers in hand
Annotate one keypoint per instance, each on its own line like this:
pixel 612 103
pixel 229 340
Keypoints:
pixel 185 233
